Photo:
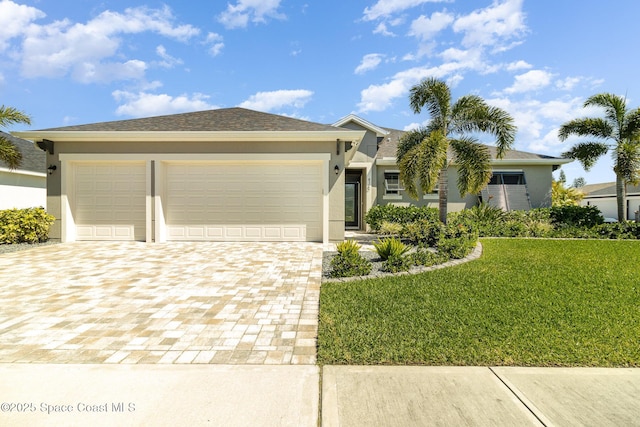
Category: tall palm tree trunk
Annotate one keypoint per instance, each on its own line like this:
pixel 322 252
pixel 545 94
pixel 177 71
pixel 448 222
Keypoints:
pixel 621 199
pixel 443 193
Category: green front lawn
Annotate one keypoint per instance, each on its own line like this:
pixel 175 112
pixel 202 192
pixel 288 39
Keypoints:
pixel 524 303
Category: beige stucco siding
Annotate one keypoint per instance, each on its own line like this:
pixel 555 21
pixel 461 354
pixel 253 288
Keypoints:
pixel 538 180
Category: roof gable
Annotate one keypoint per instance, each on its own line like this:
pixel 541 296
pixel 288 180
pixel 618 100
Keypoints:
pixel 361 122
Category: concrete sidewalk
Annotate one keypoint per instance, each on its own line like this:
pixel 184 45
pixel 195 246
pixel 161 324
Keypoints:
pixel 159 395
pixel 289 395
pixel 478 396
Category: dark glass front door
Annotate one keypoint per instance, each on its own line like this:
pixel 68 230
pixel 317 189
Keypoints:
pixel 352 201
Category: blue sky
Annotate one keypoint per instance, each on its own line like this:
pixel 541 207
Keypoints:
pixel 82 61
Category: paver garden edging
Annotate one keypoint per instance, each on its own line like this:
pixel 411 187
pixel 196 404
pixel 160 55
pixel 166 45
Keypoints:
pixel 475 254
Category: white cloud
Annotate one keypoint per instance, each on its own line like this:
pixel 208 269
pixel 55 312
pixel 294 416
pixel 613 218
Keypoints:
pixel 369 62
pixel 518 65
pixel 538 121
pixel 568 83
pixel 530 81
pixel 82 50
pixel 380 97
pixel 109 71
pixel 268 101
pixel 384 8
pixel 14 19
pixel 168 61
pixel 256 11
pixel 426 28
pixel 382 30
pixel 144 104
pixel 215 40
pixel 501 21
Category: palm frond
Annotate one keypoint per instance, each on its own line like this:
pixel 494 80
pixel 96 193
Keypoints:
pixel 473 114
pixel 433 158
pixel 631 129
pixel 419 167
pixel 587 153
pixel 9 153
pixel 474 165
pixel 409 140
pixel 615 107
pixel 592 127
pixel 409 166
pixel 10 116
pixel 626 162
pixel 434 95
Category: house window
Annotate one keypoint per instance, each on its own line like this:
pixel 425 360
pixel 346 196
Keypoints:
pixel 507 178
pixel 392 184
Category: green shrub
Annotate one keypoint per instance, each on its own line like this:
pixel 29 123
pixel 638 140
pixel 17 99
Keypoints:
pixel 390 248
pixel 425 258
pixel 390 228
pixel 539 228
pixel 348 247
pixel 457 241
pixel 512 228
pixel 564 231
pixel 348 262
pixel 619 230
pixel 580 216
pixel 29 225
pixel 397 214
pixel 396 263
pixel 424 232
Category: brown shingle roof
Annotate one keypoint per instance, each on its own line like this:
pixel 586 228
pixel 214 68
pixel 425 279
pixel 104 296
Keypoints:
pixel 220 120
pixel 389 146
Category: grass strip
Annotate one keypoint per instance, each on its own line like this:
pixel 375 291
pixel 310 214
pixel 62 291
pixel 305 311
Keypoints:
pixel 524 303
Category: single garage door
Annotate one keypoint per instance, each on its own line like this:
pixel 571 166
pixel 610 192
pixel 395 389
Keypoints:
pixel 109 200
pixel 248 201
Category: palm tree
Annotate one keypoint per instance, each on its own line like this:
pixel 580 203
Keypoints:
pixel 618 132
pixel 8 151
pixel 423 153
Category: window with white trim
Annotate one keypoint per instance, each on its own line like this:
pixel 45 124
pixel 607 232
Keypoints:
pixel 392 184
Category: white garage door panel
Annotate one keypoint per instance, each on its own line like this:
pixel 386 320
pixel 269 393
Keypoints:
pixel 109 201
pixel 247 201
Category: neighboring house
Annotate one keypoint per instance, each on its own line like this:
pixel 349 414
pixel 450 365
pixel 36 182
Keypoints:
pixel 604 197
pixel 25 186
pixel 236 174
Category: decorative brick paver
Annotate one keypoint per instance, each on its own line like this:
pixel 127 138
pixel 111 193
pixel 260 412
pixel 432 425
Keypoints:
pixel 131 302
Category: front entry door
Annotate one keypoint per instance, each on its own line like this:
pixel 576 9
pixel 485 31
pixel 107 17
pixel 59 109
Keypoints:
pixel 352 201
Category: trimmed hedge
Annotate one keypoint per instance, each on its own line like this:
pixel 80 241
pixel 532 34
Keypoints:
pixel 29 225
pixel 402 215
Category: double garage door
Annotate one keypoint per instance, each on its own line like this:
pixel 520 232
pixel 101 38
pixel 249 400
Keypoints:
pixel 226 201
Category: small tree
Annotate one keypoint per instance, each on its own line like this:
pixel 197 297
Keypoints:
pixel 423 153
pixel 563 196
pixel 579 182
pixel 617 132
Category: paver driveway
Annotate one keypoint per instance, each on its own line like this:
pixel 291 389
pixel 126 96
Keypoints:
pixel 103 302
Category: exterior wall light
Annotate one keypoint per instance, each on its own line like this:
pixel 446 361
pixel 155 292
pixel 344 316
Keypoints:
pixel 336 170
pixel 52 168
